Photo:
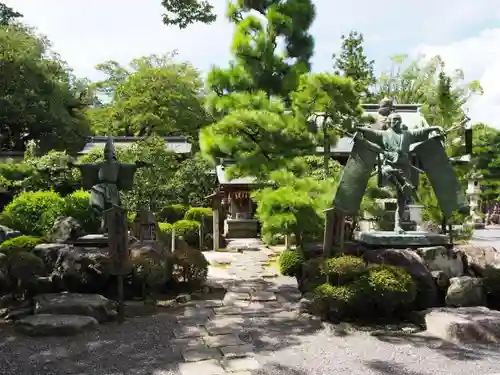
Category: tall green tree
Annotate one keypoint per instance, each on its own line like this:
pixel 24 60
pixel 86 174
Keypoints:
pixel 352 62
pixel 332 103
pixel 486 160
pixel 154 95
pixel 183 13
pixel 252 98
pixel 39 95
pixel 425 81
pixel 7 15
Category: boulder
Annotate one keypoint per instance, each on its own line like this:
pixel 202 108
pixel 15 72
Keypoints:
pixel 65 229
pixel 49 253
pixel 439 258
pixel 480 258
pixel 441 279
pixel 465 325
pixel 54 325
pixel 465 291
pixel 82 269
pixel 6 233
pixel 427 295
pixel 94 305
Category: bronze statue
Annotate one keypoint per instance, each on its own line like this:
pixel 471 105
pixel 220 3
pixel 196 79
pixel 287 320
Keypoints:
pixel 105 180
pixel 390 149
pixel 394 144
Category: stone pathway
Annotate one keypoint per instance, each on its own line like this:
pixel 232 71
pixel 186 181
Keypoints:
pixel 258 310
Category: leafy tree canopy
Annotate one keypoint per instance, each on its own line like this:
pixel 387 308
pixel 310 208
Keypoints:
pixel 154 95
pixel 40 98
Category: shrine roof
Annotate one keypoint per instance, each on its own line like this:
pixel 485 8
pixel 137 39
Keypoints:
pixel 223 180
pixel 178 145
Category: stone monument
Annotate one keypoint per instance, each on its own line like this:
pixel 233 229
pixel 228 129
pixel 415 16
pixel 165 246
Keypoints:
pixel 390 150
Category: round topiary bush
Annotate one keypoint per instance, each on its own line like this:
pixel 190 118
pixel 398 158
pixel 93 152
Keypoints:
pixel 189 230
pixel 340 301
pixel 165 234
pixel 392 289
pixel 34 212
pixel 172 213
pixel 198 213
pixel 290 262
pixel 19 244
pixel 343 269
pixel 77 205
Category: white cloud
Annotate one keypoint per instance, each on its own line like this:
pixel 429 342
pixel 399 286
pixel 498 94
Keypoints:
pixel 479 58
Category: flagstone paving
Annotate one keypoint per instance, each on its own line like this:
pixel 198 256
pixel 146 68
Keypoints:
pixel 223 337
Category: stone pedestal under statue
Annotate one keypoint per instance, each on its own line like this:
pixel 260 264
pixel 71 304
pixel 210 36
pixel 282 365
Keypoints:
pixel 410 239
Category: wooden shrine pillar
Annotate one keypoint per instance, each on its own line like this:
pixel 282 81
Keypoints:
pixel 215 202
pixel 334 231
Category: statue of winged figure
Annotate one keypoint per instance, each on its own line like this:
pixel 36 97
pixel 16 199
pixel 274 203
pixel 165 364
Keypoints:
pixel 391 149
pixel 105 180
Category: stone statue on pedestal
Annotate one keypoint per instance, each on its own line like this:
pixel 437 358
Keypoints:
pixel 105 180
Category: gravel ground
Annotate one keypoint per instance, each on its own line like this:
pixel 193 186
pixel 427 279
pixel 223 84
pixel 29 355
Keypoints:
pixel 145 346
pixel 142 346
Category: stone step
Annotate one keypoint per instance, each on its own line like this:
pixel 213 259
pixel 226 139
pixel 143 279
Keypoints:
pixel 54 325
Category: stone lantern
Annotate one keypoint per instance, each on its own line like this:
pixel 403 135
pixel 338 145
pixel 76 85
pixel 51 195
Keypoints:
pixel 473 193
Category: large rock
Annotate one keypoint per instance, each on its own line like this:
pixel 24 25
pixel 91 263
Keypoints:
pixel 54 325
pixel 64 230
pixel 480 258
pixel 49 253
pixel 439 258
pixel 464 325
pixel 427 295
pixel 465 291
pixel 6 233
pixel 82 269
pixel 94 305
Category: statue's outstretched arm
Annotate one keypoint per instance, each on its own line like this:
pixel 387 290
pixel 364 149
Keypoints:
pixel 420 135
pixel 372 135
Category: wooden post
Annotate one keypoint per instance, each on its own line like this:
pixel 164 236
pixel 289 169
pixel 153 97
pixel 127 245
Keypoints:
pixel 450 233
pixel 215 224
pixel 329 232
pixel 116 220
pixel 341 220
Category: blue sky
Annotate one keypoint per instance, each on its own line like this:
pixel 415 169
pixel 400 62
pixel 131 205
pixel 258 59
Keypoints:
pixel 465 32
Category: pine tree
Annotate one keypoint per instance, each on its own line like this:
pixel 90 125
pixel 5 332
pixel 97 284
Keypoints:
pixel 252 98
pixel 352 62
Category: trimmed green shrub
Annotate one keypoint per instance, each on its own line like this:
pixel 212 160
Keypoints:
pixel 165 233
pixel 391 288
pixel 343 269
pixel 21 243
pixel 342 301
pixel 204 216
pixel 172 213
pixel 198 214
pixel 290 262
pixel 189 266
pixel 77 205
pixel 34 212
pixel 189 230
